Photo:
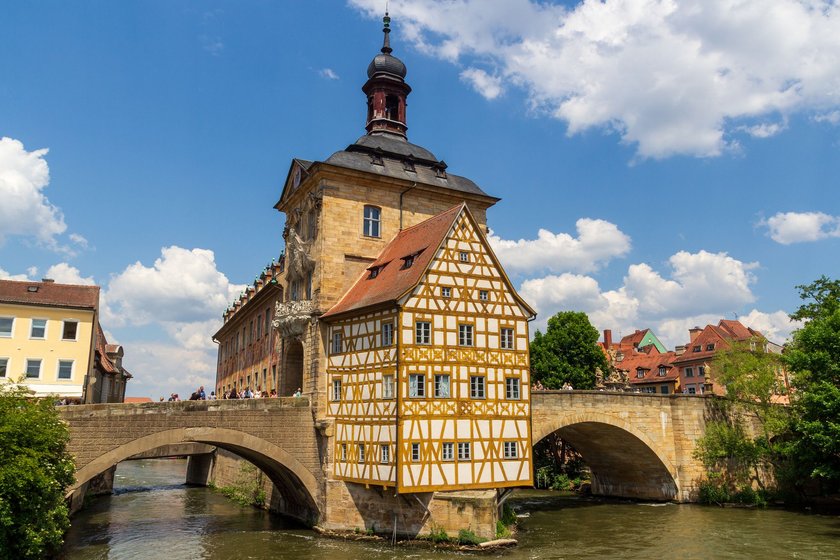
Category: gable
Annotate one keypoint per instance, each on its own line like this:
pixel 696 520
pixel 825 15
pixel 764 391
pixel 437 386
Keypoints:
pixel 298 172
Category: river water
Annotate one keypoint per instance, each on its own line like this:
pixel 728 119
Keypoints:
pixel 153 515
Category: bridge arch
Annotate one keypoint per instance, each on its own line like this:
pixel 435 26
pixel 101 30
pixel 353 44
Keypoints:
pixel 624 460
pixel 299 487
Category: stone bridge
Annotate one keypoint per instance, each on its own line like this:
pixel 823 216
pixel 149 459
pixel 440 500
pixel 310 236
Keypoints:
pixel 637 445
pixel 276 435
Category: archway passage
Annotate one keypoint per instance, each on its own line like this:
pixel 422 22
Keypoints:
pixel 298 489
pixel 291 376
pixel 622 464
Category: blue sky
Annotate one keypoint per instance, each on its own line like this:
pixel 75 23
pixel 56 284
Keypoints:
pixel 661 164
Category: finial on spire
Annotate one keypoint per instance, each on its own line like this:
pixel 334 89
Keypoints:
pixel 386 23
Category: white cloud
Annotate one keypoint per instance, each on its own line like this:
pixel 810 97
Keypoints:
pixel 161 368
pixel 764 130
pixel 25 210
pixel 669 77
pixel 4 275
pixel 797 227
pixel 182 286
pixel 832 117
pixel 702 287
pixel 328 73
pixel 598 242
pixel 490 87
pixel 63 273
pixel 776 326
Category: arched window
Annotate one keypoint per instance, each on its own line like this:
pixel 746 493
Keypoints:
pixel 371 226
pixel 392 107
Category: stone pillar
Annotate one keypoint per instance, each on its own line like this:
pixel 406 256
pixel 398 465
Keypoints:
pixel 199 468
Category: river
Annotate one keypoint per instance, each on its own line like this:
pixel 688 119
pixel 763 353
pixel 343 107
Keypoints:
pixel 153 515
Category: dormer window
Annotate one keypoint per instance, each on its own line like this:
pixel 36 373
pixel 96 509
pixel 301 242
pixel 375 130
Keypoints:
pixel 640 373
pixel 697 348
pixel 372 221
pixel 374 272
pixel 662 371
pixel 409 259
pixel 440 170
pixel 408 164
pixel 710 347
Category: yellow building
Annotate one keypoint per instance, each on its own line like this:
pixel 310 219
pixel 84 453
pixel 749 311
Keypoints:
pixel 47 336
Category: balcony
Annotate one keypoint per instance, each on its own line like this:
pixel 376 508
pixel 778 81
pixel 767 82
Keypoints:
pixel 292 317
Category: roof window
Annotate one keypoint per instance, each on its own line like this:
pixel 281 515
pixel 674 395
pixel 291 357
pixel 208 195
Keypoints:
pixel 32 288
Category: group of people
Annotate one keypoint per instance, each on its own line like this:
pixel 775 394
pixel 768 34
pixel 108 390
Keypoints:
pixel 197 395
pixel 247 393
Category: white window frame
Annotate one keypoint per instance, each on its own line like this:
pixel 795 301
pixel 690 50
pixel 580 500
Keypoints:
pixel 417 385
pixel 11 327
pixel 388 386
pixel 511 450
pixel 343 453
pixel 663 371
pixel 387 334
pixel 483 295
pixel 478 387
pixel 384 453
pixel 58 369
pixel 423 332
pixel 446 291
pixel 64 324
pixel 464 451
pixel 466 335
pixel 361 457
pixel 464 256
pixel 447 451
pixel 513 385
pixel 337 341
pixel 506 338
pixel 372 221
pixel 439 394
pixel 336 389
pixel 415 452
pixel 32 328
pixel 40 366
pixel 6 366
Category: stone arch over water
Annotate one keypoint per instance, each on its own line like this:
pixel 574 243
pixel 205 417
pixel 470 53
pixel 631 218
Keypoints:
pixel 299 487
pixel 624 461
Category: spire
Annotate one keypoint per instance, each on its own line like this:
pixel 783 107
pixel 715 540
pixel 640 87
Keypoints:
pixel 386 29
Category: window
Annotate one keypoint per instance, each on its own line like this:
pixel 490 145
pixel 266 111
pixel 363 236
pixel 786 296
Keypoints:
pixel 464 256
pixel 408 261
pixel 446 291
pixel 696 348
pixel 511 450
pixel 465 335
pixel 387 386
pixel 423 332
pixel 361 452
pixel 384 454
pixel 447 451
pixel 415 451
pixel 387 334
pixel 294 291
pixel 417 385
pixel 442 386
pixel 372 221
pixel 506 339
pixel 251 331
pixel 33 368
pixel 663 389
pixel 662 371
pixel 701 371
pixel 267 320
pixel 6 324
pixel 343 453
pixel 374 272
pixel 463 451
pixel 336 389
pixel 259 326
pixel 65 369
pixel 39 328
pixel 4 366
pixel 648 389
pixel 68 332
pixel 689 372
pixel 482 295
pixel 477 387
pixel 336 343
pixel 710 346
pixel 512 388
pixel 692 390
pixel 640 373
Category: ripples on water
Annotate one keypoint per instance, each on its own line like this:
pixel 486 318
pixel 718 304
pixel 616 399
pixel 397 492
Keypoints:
pixel 152 515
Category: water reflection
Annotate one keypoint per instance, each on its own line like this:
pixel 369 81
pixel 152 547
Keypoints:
pixel 170 521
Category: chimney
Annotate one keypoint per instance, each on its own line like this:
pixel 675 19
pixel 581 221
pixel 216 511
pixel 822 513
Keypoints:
pixel 607 338
pixel 48 280
pixel 679 350
pixel 693 333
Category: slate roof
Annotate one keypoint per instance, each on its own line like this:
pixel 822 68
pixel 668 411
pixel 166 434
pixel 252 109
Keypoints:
pixel 394 151
pixel 393 279
pixel 49 294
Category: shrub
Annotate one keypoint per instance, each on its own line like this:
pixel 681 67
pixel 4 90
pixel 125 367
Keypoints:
pixel 502 531
pixel 247 489
pixel 467 536
pixel 438 535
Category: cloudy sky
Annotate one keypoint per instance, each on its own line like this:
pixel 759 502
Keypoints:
pixel 661 164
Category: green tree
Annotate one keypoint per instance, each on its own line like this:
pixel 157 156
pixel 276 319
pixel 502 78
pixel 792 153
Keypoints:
pixel 35 470
pixel 813 359
pixel 567 353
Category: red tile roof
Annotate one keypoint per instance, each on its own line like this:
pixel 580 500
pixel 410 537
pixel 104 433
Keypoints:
pixel 49 294
pixel 101 353
pixel 635 338
pixel 649 363
pixel 720 336
pixel 393 279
